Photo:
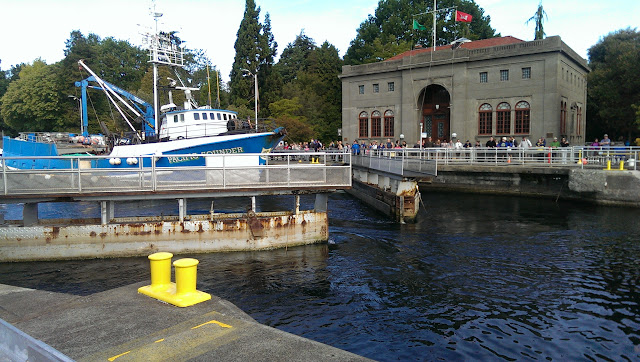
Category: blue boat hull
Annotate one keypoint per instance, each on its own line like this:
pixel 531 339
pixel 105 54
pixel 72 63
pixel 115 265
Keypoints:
pixel 37 155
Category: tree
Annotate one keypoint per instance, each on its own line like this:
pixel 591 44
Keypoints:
pixel 613 86
pixel 255 53
pixel 539 18
pixel 32 102
pixel 311 78
pixel 294 57
pixel 392 27
pixel 289 114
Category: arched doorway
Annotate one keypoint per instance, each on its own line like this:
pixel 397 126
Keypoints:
pixel 435 120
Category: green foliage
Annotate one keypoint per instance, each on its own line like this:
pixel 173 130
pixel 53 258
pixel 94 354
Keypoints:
pixel 390 31
pixel 33 101
pixel 539 18
pixel 311 79
pixel 614 85
pixel 248 57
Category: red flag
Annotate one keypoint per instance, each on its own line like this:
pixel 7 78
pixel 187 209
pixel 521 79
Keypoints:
pixel 464 17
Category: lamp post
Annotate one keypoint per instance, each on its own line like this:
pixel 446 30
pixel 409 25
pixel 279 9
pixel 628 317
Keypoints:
pixel 255 81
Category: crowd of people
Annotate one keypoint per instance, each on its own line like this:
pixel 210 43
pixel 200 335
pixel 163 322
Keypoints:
pixel 357 146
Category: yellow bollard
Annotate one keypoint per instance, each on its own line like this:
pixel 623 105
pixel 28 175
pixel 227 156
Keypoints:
pixel 186 275
pixel 160 269
pixel 608 165
pixel 621 165
pixel 183 292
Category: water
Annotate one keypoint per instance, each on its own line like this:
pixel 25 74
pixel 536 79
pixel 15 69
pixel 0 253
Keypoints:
pixel 477 278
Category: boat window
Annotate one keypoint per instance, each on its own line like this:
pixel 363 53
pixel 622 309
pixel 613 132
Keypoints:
pixel 212 116
pixel 196 116
pixel 175 118
pixel 182 117
pixel 204 116
pixel 225 116
pixel 219 118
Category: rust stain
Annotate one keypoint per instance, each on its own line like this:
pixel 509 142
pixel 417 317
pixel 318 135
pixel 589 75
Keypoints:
pixel 92 234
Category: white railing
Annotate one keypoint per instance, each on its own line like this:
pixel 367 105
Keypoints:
pixel 577 156
pixel 285 171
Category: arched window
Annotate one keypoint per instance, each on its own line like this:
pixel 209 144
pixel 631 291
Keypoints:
pixel 563 117
pixel 376 130
pixel 485 119
pixel 579 121
pixel 503 118
pixel 523 119
pixel 388 123
pixel 364 125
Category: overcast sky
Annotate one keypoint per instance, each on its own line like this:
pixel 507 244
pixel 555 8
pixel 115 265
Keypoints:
pixel 39 28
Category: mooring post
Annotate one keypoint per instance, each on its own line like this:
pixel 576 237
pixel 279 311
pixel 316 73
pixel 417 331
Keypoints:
pixel 297 211
pixel 253 203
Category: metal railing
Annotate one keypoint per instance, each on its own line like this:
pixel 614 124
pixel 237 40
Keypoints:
pixel 577 156
pixel 223 173
pixel 402 163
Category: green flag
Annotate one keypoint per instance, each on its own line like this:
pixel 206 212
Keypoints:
pixel 417 26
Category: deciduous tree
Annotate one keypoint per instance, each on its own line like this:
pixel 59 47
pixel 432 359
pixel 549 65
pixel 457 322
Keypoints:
pixel 32 102
pixel 614 85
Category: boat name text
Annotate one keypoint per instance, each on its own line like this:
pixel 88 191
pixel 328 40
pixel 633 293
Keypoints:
pixel 212 152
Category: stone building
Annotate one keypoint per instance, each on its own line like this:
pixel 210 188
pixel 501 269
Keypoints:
pixel 493 87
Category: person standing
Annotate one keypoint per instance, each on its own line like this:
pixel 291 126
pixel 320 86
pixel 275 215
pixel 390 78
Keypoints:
pixel 605 142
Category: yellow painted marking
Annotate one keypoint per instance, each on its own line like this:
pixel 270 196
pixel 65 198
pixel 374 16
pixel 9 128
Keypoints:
pixel 160 340
pixel 120 355
pixel 213 322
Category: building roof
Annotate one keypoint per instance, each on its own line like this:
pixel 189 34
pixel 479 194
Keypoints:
pixel 484 43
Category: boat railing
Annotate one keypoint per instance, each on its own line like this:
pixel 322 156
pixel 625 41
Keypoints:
pixel 224 172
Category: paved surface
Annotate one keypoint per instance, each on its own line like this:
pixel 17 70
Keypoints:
pixel 122 325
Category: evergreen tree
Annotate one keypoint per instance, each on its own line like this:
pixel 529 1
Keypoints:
pixel 539 18
pixel 248 47
pixel 390 30
pixel 269 81
pixel 311 79
pixel 294 57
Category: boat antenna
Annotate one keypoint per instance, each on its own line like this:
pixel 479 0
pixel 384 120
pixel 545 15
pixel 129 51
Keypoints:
pixel 209 84
pixel 218 88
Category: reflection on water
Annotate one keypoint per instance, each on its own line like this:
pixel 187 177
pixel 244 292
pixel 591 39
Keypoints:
pixel 477 278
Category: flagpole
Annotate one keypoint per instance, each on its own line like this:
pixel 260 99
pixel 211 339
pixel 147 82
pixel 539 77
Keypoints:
pixel 434 25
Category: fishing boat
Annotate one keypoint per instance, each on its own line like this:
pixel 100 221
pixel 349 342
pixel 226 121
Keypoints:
pixel 173 135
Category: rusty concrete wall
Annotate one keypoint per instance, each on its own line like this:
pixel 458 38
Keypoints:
pixel 212 234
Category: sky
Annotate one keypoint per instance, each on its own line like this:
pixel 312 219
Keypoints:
pixel 39 28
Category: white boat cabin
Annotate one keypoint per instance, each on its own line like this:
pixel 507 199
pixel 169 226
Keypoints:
pixel 200 122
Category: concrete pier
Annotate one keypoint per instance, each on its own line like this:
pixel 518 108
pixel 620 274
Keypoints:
pixel 122 325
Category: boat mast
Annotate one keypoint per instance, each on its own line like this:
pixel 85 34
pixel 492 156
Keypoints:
pixel 164 48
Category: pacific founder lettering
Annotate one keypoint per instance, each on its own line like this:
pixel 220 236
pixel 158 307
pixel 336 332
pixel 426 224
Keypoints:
pixel 212 152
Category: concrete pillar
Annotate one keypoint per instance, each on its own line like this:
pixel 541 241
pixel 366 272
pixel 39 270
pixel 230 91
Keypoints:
pixel 182 207
pixel 30 214
pixel 297 209
pixel 321 203
pixel 253 203
pixel 106 211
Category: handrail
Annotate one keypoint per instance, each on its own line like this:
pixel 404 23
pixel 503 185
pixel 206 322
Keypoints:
pixel 223 172
pixel 575 156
